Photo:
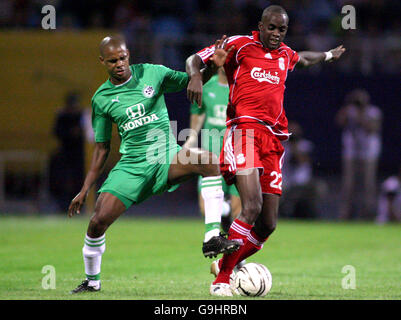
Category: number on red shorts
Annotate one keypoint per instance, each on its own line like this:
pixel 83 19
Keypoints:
pixel 277 181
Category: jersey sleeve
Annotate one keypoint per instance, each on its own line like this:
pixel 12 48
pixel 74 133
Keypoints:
pixel 173 81
pixel 101 124
pixel 206 53
pixel 294 58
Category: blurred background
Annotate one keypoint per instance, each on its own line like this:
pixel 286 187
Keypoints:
pixel 343 161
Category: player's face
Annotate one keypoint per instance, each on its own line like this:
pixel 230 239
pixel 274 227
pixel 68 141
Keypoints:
pixel 273 29
pixel 116 61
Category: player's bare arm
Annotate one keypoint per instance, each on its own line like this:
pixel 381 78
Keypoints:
pixel 309 58
pixel 199 76
pixel 193 68
pixel 99 158
pixel 196 124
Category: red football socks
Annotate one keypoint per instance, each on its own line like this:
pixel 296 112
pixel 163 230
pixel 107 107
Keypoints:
pixel 239 231
pixel 253 244
pixel 250 244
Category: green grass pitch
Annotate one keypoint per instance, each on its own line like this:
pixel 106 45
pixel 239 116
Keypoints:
pixel 158 259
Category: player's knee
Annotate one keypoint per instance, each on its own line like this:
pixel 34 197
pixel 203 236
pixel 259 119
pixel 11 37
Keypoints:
pixel 253 207
pixel 97 226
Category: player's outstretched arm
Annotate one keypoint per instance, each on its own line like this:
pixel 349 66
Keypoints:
pixel 99 158
pixel 309 58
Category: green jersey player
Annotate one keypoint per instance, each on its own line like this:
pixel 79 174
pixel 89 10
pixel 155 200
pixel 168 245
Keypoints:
pixel 210 120
pixel 151 161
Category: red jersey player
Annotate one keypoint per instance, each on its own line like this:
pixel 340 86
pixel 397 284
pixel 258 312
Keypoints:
pixel 256 67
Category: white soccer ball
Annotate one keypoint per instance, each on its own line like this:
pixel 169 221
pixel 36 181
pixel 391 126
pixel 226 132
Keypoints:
pixel 252 280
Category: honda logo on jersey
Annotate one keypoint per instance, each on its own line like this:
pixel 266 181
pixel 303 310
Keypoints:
pixel 136 111
pixel 261 76
pixel 137 117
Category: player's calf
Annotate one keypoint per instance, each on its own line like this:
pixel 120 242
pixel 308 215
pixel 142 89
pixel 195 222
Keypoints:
pixel 266 222
pixel 108 209
pixel 264 229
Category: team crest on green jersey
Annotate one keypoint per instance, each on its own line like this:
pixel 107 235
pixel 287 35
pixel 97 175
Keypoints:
pixel 148 91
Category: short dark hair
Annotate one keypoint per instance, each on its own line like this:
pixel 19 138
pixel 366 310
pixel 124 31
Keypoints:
pixel 273 9
pixel 111 41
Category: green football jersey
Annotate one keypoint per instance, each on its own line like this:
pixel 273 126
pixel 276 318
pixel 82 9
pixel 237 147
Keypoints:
pixel 214 105
pixel 139 110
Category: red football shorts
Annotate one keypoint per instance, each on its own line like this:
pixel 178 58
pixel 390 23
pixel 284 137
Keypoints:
pixel 250 145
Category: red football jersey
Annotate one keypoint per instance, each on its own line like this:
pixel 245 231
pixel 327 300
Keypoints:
pixel 256 76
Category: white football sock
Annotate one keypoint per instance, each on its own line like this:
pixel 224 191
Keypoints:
pixel 213 197
pixel 92 252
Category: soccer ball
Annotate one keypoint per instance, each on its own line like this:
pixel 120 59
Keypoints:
pixel 252 280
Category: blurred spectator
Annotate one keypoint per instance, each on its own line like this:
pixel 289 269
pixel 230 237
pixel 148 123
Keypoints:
pixel 168 32
pixel 252 11
pixel 67 164
pixel 389 205
pixel 124 12
pixel 320 39
pixel 137 33
pixel 6 12
pixel 373 47
pixel 361 147
pixel 300 191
